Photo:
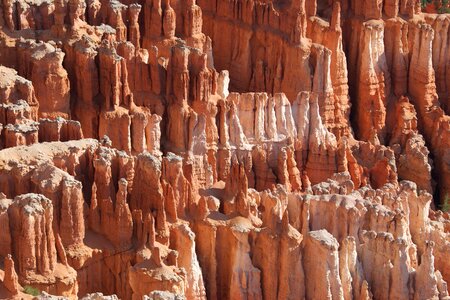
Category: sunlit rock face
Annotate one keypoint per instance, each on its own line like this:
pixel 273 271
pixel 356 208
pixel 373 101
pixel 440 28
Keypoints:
pixel 163 149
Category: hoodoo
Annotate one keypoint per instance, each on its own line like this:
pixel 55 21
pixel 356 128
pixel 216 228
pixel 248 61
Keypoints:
pixel 226 149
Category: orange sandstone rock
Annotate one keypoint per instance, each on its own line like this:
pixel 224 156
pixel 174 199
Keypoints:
pixel 240 149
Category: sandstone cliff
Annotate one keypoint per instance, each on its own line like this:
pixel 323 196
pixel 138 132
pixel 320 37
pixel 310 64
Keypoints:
pixel 161 149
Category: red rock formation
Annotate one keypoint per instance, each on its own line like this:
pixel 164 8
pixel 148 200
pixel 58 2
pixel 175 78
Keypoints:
pixel 59 130
pixel 236 145
pixel 19 111
pixel 336 109
pixel 35 233
pixel 35 248
pixel 324 281
pixel 134 34
pixel 11 280
pixel 15 88
pixel 42 64
pixel 412 156
pixel 66 195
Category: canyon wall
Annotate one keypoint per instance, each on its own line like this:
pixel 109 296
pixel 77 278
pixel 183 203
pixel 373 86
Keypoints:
pixel 224 149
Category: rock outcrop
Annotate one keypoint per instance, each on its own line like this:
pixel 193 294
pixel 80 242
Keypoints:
pixel 224 149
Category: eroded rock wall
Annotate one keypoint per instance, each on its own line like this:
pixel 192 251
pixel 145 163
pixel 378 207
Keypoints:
pixel 232 148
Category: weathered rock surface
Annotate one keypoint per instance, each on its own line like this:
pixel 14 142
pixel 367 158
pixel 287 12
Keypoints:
pixel 166 149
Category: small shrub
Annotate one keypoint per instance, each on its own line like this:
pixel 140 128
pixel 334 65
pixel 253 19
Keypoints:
pixel 31 290
pixel 445 206
pixel 436 6
pixel 424 3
